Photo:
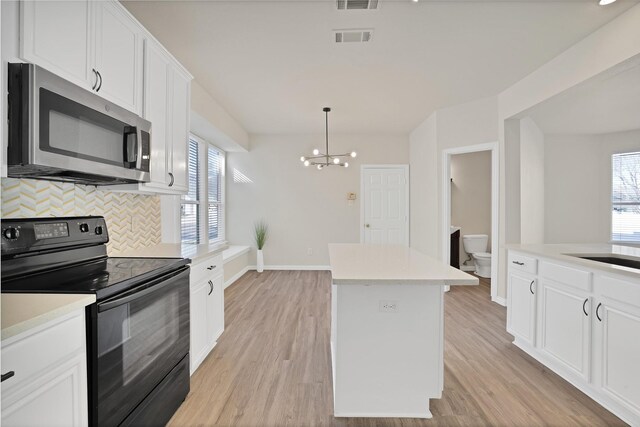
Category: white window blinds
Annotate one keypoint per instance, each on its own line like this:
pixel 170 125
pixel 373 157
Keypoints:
pixel 625 200
pixel 202 209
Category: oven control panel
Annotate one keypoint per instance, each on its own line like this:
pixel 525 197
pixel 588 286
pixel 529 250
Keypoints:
pixel 38 234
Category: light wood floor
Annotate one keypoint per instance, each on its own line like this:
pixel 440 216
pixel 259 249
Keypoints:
pixel 272 367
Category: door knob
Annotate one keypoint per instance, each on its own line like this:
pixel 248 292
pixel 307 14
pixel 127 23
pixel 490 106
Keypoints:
pixel 366 225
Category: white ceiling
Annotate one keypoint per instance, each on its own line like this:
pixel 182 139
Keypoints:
pixel 273 64
pixel 603 105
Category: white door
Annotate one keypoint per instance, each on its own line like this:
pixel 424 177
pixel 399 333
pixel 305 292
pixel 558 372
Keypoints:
pixel 56 36
pixel 215 308
pixel 180 104
pixel 118 56
pixel 565 330
pixel 385 205
pixel 521 307
pixel 198 321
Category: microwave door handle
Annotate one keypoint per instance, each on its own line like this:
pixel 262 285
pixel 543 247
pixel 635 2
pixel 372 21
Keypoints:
pixel 135 294
pixel 130 134
pixel 139 153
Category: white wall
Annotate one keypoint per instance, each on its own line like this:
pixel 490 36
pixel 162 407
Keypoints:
pixel 423 171
pixel 467 124
pixel 531 182
pixel 578 185
pixel 303 207
pixel 471 195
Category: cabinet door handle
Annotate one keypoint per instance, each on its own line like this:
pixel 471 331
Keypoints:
pixel 518 262
pixel 211 267
pixel 597 312
pixel 531 287
pixel 172 179
pixel 100 85
pixel 7 376
pixel 584 310
pixel 95 73
pixel 210 287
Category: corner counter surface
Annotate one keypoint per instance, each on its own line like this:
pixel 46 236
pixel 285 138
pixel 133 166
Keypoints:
pixel 356 263
pixel 566 252
pixel 174 250
pixel 21 312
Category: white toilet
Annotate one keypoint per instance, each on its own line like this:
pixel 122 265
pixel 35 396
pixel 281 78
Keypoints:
pixel 476 246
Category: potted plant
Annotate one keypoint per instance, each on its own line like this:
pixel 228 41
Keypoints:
pixel 260 234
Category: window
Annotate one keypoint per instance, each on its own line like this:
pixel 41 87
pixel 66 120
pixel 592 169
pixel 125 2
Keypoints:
pixel 202 208
pixel 625 197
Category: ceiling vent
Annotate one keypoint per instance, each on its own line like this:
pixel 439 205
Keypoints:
pixel 353 36
pixel 357 4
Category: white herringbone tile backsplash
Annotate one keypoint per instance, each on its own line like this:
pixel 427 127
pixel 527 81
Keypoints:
pixel 27 198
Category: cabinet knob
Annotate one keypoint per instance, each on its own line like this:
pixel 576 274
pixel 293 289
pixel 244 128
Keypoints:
pixel 211 267
pixel 367 225
pixel 172 179
pixel 7 376
pixel 584 304
pixel 598 312
pixel 531 287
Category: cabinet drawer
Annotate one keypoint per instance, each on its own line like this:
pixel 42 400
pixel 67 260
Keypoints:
pixel 208 267
pixel 621 290
pixel 36 353
pixel 524 263
pixel 569 276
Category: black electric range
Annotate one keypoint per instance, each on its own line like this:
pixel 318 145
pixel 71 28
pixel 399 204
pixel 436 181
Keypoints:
pixel 137 331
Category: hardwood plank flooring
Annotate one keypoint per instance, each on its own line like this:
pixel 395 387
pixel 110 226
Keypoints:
pixel 272 365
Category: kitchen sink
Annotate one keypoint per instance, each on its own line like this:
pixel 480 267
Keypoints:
pixel 612 259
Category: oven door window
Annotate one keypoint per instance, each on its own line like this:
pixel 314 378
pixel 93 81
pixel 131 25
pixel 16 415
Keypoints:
pixel 75 130
pixel 140 339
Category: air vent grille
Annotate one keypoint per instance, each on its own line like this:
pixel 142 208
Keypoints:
pixel 353 36
pixel 357 4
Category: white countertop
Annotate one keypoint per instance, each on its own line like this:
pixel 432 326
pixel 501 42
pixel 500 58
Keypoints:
pixel 174 250
pixel 21 312
pixel 355 263
pixel 559 252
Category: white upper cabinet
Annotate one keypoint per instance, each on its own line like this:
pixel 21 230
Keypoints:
pixel 96 45
pixel 57 36
pixel 181 99
pixel 118 55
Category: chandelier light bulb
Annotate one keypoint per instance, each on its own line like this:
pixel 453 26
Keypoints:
pixel 346 164
pixel 605 2
pixel 302 159
pixel 319 167
pixel 353 154
pixel 316 151
pixel 336 161
pixel 306 163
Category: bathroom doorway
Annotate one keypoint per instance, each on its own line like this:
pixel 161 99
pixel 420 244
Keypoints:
pixel 470 197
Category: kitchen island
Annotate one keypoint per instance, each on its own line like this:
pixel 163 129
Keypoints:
pixel 387 329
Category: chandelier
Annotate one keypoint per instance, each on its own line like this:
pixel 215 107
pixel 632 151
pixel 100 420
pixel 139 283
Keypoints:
pixel 322 160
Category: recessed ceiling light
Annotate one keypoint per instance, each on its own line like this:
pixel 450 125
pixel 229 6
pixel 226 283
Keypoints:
pixel 416 1
pixel 605 2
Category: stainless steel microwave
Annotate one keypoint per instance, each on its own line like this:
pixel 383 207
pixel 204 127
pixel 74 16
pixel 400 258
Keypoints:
pixel 61 132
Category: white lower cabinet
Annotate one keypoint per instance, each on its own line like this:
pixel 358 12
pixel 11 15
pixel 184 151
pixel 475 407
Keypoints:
pixel 49 382
pixel 207 308
pixel 521 307
pixel 565 327
pixel 587 329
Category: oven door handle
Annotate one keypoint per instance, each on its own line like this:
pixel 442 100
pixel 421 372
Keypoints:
pixel 136 293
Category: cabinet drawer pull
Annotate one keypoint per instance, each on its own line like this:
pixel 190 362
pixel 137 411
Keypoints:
pixel 100 85
pixel 518 262
pixel 598 314
pixel 211 267
pixel 584 304
pixel 172 179
pixel 7 376
pixel 210 287
pixel 95 73
pixel 530 287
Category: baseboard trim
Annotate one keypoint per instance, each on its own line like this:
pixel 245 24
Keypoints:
pixel 294 267
pixel 499 300
pixel 423 415
pixel 235 277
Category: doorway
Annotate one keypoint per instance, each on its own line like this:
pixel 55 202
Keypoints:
pixel 446 206
pixel 384 211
